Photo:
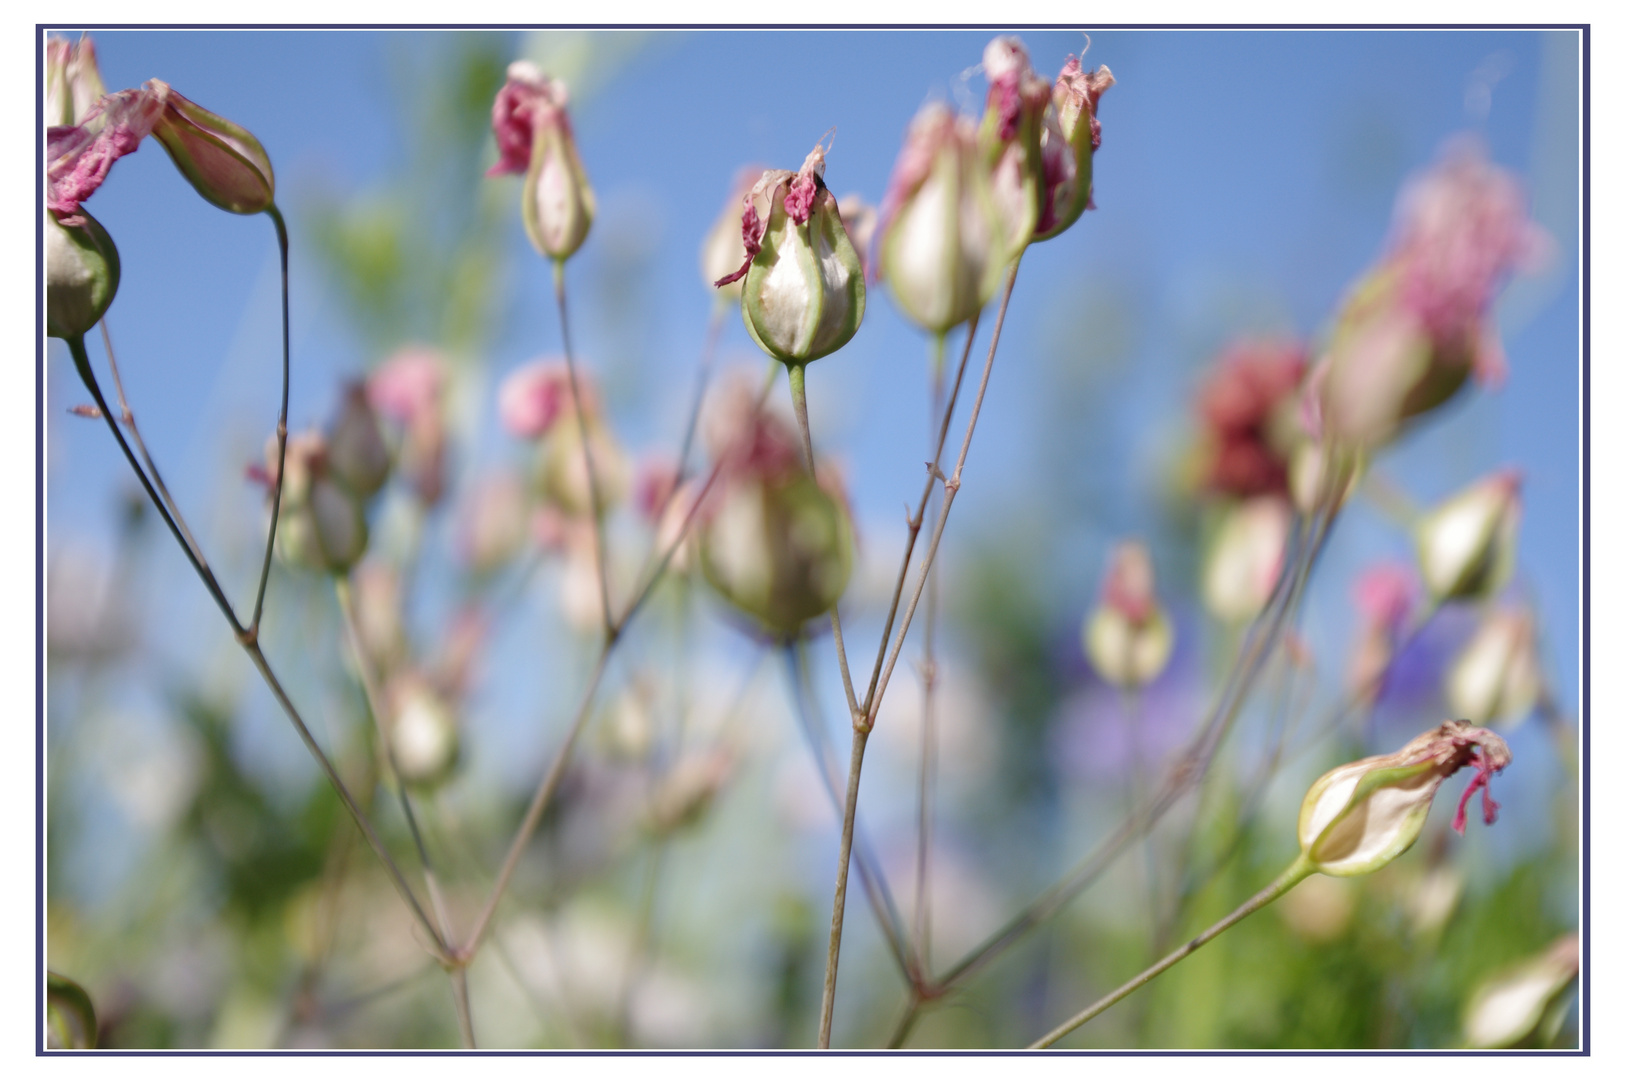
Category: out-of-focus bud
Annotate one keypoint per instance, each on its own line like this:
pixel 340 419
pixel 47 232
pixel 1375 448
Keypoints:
pixel 1246 558
pixel 321 526
pixel 941 250
pixel 688 789
pixel 1465 546
pixel 1010 138
pixel 1361 816
pixel 665 504
pixel 779 548
pixel 1419 324
pixel 356 454
pixel 81 275
pixel 1524 1006
pixel 1497 675
pixel 406 389
pixel 534 137
pixel 1384 596
pixel 562 470
pixel 495 522
pixel 1433 898
pixel 722 251
pixel 423 732
pixel 1127 637
pixel 533 396
pixel 1249 409
pixel 1319 910
pixel 1070 137
pixel 379 618
pixel 743 439
pixel 73 82
pixel 222 162
pixel 803 292
pixel 1313 470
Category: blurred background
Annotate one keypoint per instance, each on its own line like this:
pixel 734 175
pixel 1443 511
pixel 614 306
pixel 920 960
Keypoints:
pixel 203 883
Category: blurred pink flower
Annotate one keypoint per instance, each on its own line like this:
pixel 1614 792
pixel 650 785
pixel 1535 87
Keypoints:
pixel 1242 403
pixel 527 100
pixel 1384 594
pixel 533 397
pixel 407 386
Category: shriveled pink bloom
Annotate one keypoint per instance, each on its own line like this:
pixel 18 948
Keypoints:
pixel 526 101
pixel 1385 594
pixel 1062 151
pixel 1460 230
pixel 407 386
pixel 77 159
pixel 1013 88
pixel 1240 404
pixel 800 188
pixel 534 396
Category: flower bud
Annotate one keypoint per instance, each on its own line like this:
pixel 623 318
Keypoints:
pixel 73 82
pixel 1067 145
pixel 941 251
pixel 423 732
pixel 1359 817
pixel 1509 1008
pixel 321 526
pixel 1128 638
pixel 562 469
pixel 223 162
pixel 1010 139
pixel 407 389
pixel 379 616
pixel 803 292
pixel 81 275
pixel 722 251
pixel 356 454
pixel 1465 546
pixel 1245 558
pixel 533 396
pixel 1415 328
pixel 779 548
pixel 534 137
pixel 1497 675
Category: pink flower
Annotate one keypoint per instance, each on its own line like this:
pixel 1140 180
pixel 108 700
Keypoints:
pixel 534 137
pixel 77 159
pixel 1385 594
pixel 407 386
pixel 526 101
pixel 1070 138
pixel 1242 404
pixel 532 397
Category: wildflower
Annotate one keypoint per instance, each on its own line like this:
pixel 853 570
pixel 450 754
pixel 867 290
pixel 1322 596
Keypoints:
pixel 1246 556
pixel 422 731
pixel 406 389
pixel 1010 138
pixel 941 249
pixel 1248 407
pixel 1465 546
pixel 1419 324
pixel 532 397
pixel 1361 816
pixel 73 82
pixel 1524 1004
pixel 223 162
pixel 534 137
pixel 803 292
pixel 1497 675
pixel 356 454
pixel 1128 638
pixel 322 525
pixel 1067 145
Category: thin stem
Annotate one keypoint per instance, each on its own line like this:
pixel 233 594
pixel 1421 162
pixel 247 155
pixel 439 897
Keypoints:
pixel 928 717
pixel 798 400
pixel 539 802
pixel 250 644
pixel 81 363
pixel 906 1022
pixel 933 472
pixel 870 874
pixel 369 686
pixel 839 907
pixel 951 487
pixel 282 430
pixel 1295 873
pixel 127 417
pixel 595 501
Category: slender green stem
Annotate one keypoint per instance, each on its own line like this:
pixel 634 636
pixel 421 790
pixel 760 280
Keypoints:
pixel 839 907
pixel 594 499
pixel 951 488
pixel 870 875
pixel 928 718
pixel 539 802
pixel 369 686
pixel 282 430
pixel 798 400
pixel 1295 873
